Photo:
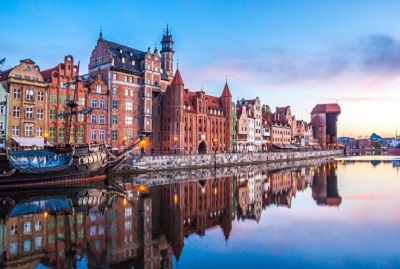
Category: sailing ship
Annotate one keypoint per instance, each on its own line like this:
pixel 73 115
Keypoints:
pixel 64 162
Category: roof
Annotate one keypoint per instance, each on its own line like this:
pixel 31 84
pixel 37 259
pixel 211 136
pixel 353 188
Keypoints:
pixel 177 79
pixel 226 92
pixel 47 73
pixel 317 122
pixel 282 110
pixel 40 205
pixel 326 108
pixel 126 53
pixel 213 102
pixel 4 74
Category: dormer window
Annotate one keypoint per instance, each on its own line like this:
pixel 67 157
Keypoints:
pixel 120 50
pixel 123 60
pixel 131 54
pixel 133 62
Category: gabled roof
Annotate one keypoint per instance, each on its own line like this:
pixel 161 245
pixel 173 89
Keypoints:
pixel 213 102
pixel 282 110
pixel 326 108
pixel 226 92
pixel 4 74
pixel 177 79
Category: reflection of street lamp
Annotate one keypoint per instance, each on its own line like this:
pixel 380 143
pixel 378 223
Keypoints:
pixel 175 140
pixel 215 140
pixel 124 141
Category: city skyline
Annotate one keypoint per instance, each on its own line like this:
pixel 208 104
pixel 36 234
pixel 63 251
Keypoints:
pixel 285 53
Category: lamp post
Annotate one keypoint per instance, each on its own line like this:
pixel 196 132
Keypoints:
pixel 124 141
pixel 215 140
pixel 175 140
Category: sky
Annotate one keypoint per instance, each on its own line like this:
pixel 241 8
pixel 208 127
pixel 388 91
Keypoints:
pixel 288 53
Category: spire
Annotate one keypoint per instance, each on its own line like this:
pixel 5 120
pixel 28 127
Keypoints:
pixel 177 78
pixel 167 32
pixel 226 92
pixel 101 32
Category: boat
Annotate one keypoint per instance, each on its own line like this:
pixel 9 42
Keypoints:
pixel 63 162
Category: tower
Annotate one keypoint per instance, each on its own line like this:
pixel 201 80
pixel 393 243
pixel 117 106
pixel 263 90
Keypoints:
pixel 167 54
pixel 176 114
pixel 226 101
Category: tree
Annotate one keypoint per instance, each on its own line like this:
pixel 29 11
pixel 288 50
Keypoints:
pixel 377 145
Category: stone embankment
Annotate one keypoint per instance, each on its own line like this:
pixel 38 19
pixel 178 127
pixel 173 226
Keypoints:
pixel 147 164
pixel 152 178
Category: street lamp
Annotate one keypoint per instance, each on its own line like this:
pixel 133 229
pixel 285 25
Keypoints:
pixel 175 140
pixel 46 136
pixel 124 141
pixel 215 140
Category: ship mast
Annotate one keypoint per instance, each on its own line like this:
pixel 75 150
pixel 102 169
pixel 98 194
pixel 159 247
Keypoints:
pixel 72 104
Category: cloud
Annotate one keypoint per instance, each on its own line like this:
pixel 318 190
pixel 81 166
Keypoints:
pixel 368 58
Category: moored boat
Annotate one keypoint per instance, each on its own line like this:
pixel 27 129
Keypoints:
pixel 394 147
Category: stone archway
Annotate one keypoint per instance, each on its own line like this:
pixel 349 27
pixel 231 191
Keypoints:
pixel 202 149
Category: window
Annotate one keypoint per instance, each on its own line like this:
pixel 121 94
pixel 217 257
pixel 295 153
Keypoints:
pixel 123 60
pixel 81 117
pixel 40 113
pixel 114 135
pixel 61 138
pixel 38 242
pixel 14 229
pixel 115 76
pixel 2 109
pixel 29 113
pixel 38 225
pixel 16 112
pixel 128 120
pixel 115 90
pixel 114 214
pixel 14 248
pixel 102 103
pixel 39 131
pixel 102 60
pixel 94 118
pixel 102 135
pixel 115 104
pixel 15 130
pixel 101 229
pixel 129 135
pixel 29 95
pixel 98 89
pixel 27 245
pixel 27 227
pixel 102 119
pixel 114 119
pixel 126 92
pixel 128 225
pixel 81 101
pixel 93 230
pixel 29 130
pixel 93 135
pixel 52 114
pixel 126 77
pixel 17 93
pixel 53 97
pixel 94 103
pixel 52 131
pixel 80 135
pixel 63 99
pixel 129 106
pixel 128 211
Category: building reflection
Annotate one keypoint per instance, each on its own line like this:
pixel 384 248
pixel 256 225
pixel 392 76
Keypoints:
pixel 324 186
pixel 128 225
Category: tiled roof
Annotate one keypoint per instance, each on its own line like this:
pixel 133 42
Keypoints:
pixel 47 73
pixel 177 78
pixel 4 74
pixel 126 51
pixel 326 108
pixel 226 92
pixel 282 110
pixel 213 102
pixel 188 101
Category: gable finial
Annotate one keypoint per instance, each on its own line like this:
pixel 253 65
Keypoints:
pixel 101 31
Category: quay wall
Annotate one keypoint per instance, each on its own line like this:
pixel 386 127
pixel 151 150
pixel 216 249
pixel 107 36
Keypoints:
pixel 172 162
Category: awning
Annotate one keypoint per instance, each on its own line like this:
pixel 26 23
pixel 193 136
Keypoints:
pixel 279 146
pixel 27 142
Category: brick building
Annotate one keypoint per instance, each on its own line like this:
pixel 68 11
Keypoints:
pixel 135 79
pixel 324 123
pixel 191 121
pixel 62 86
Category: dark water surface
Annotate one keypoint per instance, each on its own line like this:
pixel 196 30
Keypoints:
pixel 336 214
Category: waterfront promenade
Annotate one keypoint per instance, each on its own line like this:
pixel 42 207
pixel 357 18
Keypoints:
pixel 172 162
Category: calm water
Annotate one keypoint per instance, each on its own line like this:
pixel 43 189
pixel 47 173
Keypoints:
pixel 337 214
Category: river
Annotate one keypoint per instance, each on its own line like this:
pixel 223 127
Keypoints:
pixel 341 213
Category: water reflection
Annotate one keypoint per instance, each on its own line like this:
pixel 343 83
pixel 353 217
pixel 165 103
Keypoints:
pixel 127 224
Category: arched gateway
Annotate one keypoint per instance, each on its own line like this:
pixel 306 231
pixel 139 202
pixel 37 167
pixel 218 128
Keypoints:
pixel 202 148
